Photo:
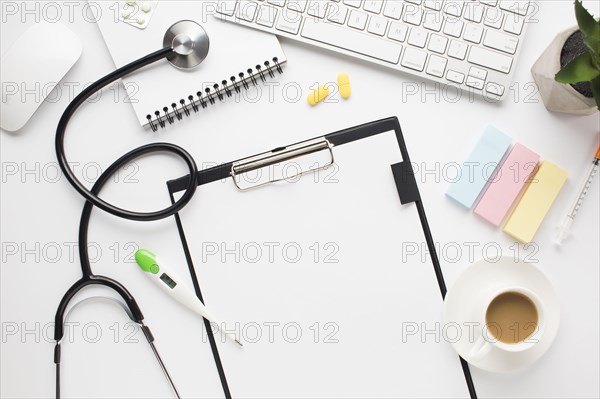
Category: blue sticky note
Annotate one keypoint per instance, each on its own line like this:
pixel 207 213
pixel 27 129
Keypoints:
pixel 479 168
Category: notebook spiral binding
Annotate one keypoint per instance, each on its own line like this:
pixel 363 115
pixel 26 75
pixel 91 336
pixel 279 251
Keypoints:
pixel 193 103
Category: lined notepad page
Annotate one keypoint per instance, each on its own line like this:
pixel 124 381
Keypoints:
pixel 233 49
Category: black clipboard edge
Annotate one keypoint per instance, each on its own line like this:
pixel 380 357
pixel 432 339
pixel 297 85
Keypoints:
pixel 340 137
pixel 194 277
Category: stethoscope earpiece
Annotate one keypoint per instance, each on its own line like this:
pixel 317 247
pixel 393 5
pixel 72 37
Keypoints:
pixel 189 42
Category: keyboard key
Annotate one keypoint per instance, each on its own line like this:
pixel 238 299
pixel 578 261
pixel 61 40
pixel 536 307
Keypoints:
pixel 478 73
pixel 455 77
pixel 373 6
pixel 266 16
pixel 352 40
pixel 517 6
pixel 457 49
pixel 436 66
pixel 418 2
pixel 289 21
pixel 437 43
pixel 500 41
pixel 279 3
pixel 417 37
pixel 494 88
pixel 246 10
pixel 297 5
pixel 357 20
pixel 393 9
pixel 317 8
pixel 353 3
pixel 336 13
pixel 514 24
pixel 226 7
pixel 398 32
pixel 491 3
pixel 453 27
pixel 493 18
pixel 433 21
pixel 473 33
pixel 475 83
pixel 413 14
pixel 377 25
pixel 414 59
pixel 490 59
pixel 433 4
pixel 473 11
pixel 454 7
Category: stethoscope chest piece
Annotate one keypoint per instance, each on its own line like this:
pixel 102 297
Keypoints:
pixel 189 42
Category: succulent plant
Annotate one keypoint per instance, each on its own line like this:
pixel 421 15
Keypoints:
pixel 586 66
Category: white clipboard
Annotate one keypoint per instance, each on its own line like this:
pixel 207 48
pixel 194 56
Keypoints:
pixel 311 275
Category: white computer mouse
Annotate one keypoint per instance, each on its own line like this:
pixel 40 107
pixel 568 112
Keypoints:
pixel 30 69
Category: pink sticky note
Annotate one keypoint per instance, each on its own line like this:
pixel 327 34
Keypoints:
pixel 508 183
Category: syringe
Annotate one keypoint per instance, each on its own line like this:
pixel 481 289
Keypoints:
pixel 563 230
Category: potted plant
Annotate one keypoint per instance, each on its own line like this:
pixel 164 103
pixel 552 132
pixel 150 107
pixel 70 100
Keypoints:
pixel 568 72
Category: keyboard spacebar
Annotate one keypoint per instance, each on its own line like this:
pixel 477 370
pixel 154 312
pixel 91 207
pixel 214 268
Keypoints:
pixel 351 40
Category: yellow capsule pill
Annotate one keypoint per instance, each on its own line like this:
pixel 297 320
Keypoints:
pixel 318 95
pixel 344 85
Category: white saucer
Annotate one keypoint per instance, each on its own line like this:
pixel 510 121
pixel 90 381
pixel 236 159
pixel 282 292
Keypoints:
pixel 471 289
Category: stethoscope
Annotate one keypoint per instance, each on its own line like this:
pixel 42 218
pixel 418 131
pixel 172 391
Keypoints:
pixel 186 45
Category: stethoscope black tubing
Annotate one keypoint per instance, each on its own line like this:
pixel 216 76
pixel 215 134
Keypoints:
pixel 154 147
pixel 92 199
pixel 88 277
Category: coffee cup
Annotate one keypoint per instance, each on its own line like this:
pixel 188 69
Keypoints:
pixel 513 321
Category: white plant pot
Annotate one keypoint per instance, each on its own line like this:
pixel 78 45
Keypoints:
pixel 559 97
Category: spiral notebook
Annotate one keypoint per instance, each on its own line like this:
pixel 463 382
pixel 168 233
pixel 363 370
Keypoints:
pixel 162 95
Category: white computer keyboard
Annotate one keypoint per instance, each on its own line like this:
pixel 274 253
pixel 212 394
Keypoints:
pixel 472 44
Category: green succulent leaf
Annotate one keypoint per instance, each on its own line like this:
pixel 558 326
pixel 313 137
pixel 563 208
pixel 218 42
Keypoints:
pixel 590 28
pixel 581 69
pixel 595 60
pixel 596 91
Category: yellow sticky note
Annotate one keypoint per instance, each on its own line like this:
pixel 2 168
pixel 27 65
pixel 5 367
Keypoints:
pixel 539 196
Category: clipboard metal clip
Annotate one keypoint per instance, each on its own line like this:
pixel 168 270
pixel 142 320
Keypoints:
pixel 282 164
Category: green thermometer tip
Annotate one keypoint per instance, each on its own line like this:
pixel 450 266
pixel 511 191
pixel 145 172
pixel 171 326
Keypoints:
pixel 147 261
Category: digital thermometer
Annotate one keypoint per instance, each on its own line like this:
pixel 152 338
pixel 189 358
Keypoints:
pixel 173 285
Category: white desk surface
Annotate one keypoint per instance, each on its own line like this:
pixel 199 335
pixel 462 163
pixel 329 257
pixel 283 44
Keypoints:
pixel 40 211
